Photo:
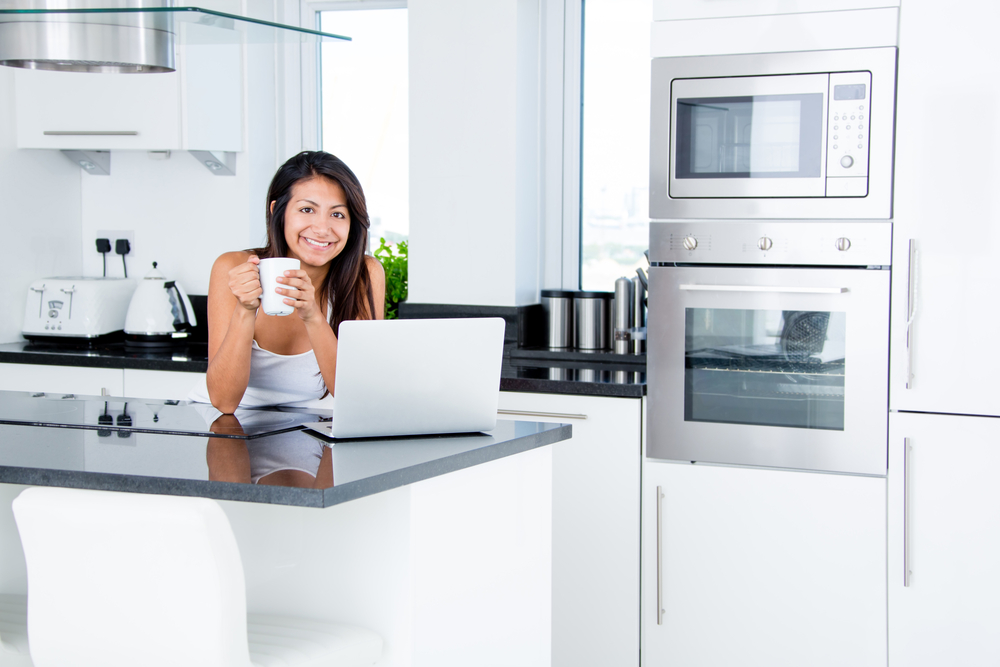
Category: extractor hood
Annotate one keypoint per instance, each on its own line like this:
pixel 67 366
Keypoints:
pixel 133 36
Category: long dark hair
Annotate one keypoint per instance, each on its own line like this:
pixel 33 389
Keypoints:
pixel 347 283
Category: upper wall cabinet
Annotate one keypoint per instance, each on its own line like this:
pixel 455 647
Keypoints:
pixel 670 10
pixel 197 107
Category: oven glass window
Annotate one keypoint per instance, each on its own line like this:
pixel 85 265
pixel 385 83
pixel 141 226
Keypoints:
pixel 765 367
pixel 763 136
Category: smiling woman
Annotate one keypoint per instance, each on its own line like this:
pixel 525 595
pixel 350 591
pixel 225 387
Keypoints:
pixel 316 213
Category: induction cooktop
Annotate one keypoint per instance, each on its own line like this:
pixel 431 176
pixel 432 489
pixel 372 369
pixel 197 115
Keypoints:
pixel 104 413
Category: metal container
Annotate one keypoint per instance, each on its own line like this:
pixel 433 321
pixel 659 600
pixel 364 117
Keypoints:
pixel 558 306
pixel 592 312
pixel 622 315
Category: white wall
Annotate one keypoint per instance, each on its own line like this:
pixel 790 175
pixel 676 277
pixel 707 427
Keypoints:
pixel 474 151
pixel 40 219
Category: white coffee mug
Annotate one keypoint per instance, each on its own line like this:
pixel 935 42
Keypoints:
pixel 270 268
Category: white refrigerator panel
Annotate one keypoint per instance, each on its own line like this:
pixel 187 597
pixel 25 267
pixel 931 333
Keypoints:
pixel 944 540
pixel 947 169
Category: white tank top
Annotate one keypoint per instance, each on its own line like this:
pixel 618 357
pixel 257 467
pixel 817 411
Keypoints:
pixel 275 379
pixel 278 379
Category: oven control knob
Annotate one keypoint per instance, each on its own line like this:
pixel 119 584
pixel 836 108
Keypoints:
pixel 846 162
pixel 690 243
pixel 843 243
pixel 764 243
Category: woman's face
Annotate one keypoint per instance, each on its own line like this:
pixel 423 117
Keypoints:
pixel 317 221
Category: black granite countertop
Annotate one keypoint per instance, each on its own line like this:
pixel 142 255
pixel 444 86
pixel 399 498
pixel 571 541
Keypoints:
pixel 188 358
pixel 287 468
pixel 524 369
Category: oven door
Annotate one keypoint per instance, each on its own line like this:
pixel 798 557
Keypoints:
pixel 775 367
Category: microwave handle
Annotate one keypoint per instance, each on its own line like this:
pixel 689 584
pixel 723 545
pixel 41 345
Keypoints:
pixel 762 288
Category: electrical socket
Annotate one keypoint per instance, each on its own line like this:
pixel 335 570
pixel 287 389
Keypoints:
pixel 115 234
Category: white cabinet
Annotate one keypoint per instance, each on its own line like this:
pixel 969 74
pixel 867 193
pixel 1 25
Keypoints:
pixel 757 567
pixel 198 107
pixel 165 385
pixel 944 522
pixel 61 379
pixel 943 288
pixel 595 525
pixel 133 383
pixel 667 10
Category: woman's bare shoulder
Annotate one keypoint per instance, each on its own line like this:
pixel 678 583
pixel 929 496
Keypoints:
pixel 228 260
pixel 375 269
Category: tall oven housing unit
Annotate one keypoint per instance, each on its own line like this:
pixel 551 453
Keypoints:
pixel 764 482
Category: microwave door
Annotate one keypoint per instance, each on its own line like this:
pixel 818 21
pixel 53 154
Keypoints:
pixel 758 136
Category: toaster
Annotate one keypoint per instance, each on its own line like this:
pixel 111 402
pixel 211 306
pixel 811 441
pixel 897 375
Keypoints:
pixel 76 307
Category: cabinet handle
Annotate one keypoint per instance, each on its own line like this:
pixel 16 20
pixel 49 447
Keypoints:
pixel 659 555
pixel 90 133
pixel 762 288
pixel 906 512
pixel 546 415
pixel 911 310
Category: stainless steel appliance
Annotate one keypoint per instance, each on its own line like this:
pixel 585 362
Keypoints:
pixel 768 344
pixel 778 135
pixel 76 308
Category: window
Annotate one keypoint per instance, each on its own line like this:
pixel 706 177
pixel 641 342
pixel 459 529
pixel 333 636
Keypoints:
pixel 615 145
pixel 364 109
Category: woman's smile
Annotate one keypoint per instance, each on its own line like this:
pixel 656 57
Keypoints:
pixel 317 221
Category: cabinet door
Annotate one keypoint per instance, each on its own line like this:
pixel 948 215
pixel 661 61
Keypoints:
pixel 756 567
pixel 61 379
pixel 595 525
pixel 668 10
pixel 942 284
pixel 166 385
pixel 147 104
pixel 944 527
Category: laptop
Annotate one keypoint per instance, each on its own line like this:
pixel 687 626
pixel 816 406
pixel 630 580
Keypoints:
pixel 415 377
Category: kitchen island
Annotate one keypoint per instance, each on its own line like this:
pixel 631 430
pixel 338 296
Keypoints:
pixel 418 531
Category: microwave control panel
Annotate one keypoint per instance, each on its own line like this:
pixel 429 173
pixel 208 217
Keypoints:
pixel 848 133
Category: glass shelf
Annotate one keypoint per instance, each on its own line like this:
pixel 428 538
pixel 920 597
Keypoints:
pixel 213 27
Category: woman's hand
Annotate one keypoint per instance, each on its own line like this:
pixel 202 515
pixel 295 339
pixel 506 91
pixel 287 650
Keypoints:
pixel 301 295
pixel 244 283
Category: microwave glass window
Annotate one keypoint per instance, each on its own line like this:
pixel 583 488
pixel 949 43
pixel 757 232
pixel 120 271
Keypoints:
pixel 762 136
pixel 765 367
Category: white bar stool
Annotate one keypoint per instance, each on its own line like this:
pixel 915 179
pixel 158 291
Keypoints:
pixel 14 631
pixel 120 579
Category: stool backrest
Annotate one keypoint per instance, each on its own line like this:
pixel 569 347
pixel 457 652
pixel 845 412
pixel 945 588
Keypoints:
pixel 125 579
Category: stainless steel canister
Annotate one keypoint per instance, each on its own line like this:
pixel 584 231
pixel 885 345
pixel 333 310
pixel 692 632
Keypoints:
pixel 623 316
pixel 558 306
pixel 592 312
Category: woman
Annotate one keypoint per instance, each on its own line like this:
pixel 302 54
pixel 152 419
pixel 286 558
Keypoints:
pixel 316 213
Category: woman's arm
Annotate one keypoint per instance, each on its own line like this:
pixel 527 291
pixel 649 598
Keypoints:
pixel 377 276
pixel 233 298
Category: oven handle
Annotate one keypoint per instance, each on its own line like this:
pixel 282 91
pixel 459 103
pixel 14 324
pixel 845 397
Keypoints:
pixel 762 288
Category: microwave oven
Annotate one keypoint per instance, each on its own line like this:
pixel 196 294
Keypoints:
pixel 776 135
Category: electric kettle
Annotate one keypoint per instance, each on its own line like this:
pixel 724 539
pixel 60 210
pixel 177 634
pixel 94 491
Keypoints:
pixel 159 314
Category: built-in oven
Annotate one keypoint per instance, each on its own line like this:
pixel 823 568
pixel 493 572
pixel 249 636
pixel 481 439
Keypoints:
pixel 768 344
pixel 780 135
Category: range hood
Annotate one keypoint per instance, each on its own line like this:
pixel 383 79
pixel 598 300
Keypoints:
pixel 122 36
